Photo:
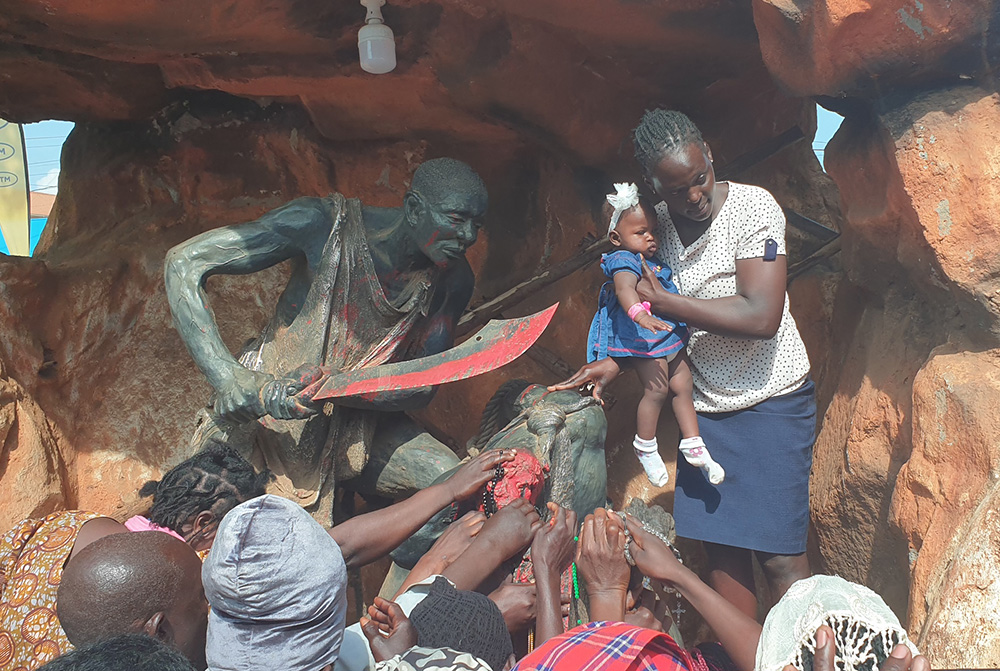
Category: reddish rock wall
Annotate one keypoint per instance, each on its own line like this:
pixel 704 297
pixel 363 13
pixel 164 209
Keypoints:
pixel 192 116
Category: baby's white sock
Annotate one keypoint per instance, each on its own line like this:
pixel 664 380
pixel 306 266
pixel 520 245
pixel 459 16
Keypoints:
pixel 696 454
pixel 652 462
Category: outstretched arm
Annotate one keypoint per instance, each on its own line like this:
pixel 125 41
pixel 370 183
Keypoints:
pixel 552 550
pixel 279 235
pixel 368 537
pixel 753 312
pixel 737 632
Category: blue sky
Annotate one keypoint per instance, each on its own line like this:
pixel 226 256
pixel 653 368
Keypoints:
pixel 43 142
pixel 827 124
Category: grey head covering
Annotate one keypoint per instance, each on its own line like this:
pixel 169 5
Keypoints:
pixel 275 580
pixel 865 630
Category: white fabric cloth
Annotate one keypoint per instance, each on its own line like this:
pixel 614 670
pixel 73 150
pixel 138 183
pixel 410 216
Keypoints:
pixel 733 373
pixel 433 659
pixel 355 652
pixel 861 621
pixel 626 197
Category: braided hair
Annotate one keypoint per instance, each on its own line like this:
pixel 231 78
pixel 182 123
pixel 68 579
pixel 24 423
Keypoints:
pixel 660 132
pixel 216 479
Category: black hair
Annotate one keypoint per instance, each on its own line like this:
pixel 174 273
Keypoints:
pixel 436 178
pixel 129 652
pixel 216 479
pixel 662 131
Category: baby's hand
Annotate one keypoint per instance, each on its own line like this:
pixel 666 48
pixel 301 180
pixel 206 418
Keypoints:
pixel 651 323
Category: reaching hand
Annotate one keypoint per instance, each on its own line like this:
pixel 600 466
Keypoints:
pixel 517 604
pixel 598 373
pixel 649 612
pixel 457 538
pixel 600 555
pixel 388 630
pixel 511 529
pixel 553 548
pixel 900 659
pixel 651 323
pixel 652 556
pixel 476 472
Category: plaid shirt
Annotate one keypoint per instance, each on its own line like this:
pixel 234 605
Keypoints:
pixel 608 646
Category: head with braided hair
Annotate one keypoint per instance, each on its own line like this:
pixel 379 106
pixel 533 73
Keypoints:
pixel 677 165
pixel 193 496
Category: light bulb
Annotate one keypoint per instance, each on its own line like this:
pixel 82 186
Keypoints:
pixel 376 46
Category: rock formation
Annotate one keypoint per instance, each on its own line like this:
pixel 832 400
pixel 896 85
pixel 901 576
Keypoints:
pixel 192 115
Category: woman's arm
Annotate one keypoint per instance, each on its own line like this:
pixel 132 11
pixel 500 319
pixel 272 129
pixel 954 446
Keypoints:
pixel 552 551
pixel 600 559
pixel 368 537
pixel 503 536
pixel 737 632
pixel 753 312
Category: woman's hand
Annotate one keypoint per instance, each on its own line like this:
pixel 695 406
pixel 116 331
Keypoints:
pixel 553 548
pixel 598 373
pixel 388 630
pixel 600 555
pixel 649 612
pixel 455 540
pixel 900 659
pixel 652 556
pixel 651 291
pixel 475 473
pixel 516 603
pixel 512 528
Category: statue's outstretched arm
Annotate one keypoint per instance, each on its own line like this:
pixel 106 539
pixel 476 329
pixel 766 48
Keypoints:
pixel 233 250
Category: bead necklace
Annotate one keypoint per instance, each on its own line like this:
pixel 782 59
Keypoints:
pixel 489 498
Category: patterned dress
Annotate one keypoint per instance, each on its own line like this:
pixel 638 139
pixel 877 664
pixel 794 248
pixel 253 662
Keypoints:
pixel 32 555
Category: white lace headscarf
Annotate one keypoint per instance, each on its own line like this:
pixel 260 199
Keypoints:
pixel 865 629
pixel 626 197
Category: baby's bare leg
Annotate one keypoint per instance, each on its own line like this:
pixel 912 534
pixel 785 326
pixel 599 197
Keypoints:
pixel 692 447
pixel 682 400
pixel 655 377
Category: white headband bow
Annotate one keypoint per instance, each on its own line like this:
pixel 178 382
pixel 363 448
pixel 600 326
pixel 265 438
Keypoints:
pixel 626 198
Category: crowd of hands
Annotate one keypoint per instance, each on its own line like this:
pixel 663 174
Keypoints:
pixel 480 553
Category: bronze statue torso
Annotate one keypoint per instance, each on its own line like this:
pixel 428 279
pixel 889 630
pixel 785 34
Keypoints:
pixel 345 321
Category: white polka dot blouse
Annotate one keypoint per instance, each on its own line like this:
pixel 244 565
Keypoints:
pixel 734 373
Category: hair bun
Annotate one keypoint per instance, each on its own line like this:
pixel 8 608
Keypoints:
pixel 149 488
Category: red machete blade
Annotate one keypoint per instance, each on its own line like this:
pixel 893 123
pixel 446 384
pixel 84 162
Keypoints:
pixel 495 345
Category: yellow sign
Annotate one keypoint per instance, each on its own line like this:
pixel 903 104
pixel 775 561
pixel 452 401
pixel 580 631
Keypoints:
pixel 14 220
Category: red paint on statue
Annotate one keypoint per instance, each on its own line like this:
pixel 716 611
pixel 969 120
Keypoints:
pixel 523 478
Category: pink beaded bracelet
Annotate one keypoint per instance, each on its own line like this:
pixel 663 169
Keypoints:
pixel 637 309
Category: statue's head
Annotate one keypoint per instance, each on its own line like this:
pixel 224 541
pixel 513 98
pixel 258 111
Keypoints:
pixel 444 209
